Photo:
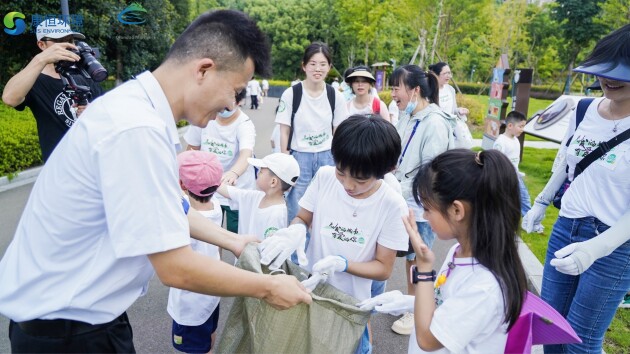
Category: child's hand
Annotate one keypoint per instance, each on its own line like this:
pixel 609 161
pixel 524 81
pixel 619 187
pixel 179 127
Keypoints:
pixel 229 178
pixel 424 255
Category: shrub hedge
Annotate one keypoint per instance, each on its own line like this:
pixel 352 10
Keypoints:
pixel 19 143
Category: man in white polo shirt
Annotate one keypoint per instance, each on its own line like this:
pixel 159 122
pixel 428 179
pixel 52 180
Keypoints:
pixel 106 210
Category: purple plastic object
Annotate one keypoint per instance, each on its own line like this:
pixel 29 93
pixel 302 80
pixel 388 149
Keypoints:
pixel 539 323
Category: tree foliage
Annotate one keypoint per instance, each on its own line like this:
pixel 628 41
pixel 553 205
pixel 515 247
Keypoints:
pixel 468 34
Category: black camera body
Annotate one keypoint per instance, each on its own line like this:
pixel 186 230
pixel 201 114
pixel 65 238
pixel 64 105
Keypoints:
pixel 87 66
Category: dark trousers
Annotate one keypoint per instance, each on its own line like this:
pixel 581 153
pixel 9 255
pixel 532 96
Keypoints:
pixel 66 336
pixel 231 218
pixel 254 104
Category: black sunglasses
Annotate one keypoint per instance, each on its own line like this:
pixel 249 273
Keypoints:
pixel 59 40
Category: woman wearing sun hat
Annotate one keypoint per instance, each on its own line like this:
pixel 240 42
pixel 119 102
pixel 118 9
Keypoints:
pixel 587 268
pixel 361 82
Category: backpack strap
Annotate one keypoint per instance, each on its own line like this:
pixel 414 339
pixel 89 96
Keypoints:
pixel 330 92
pixel 376 106
pixel 602 149
pixel 297 98
pixel 580 111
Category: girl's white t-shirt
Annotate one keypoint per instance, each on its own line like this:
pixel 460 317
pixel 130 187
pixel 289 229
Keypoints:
pixel 602 190
pixel 252 220
pixel 352 109
pixel 189 308
pixel 313 129
pixel 227 142
pixel 470 317
pixel 335 231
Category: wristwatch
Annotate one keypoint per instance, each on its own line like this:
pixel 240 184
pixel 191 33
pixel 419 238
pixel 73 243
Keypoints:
pixel 421 276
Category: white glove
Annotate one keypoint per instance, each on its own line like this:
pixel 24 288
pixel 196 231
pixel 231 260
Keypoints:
pixel 329 265
pixel 312 282
pixel 369 304
pixel 577 257
pixel 282 244
pixel 392 302
pixel 534 217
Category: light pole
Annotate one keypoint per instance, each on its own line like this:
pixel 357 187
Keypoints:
pixel 393 63
pixel 472 72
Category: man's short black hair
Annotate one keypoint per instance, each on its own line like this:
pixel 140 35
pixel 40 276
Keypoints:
pixel 226 36
pixel 367 145
pixel 515 117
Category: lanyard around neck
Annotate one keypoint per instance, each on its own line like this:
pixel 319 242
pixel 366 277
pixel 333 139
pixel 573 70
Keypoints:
pixel 413 132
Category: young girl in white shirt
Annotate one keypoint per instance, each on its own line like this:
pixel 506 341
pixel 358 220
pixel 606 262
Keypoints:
pixel 473 300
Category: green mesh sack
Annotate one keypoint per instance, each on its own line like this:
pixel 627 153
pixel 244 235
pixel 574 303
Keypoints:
pixel 331 324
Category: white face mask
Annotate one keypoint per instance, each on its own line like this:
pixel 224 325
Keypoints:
pixel 226 113
pixel 411 105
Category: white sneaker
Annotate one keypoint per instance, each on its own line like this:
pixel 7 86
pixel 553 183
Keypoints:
pixel 404 325
pixel 539 229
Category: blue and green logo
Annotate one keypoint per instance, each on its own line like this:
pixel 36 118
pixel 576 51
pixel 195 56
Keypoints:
pixel 133 15
pixel 14 23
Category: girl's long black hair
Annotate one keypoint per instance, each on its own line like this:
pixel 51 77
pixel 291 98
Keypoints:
pixel 487 181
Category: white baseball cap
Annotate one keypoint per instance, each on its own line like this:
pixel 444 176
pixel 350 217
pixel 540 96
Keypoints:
pixel 282 165
pixel 54 29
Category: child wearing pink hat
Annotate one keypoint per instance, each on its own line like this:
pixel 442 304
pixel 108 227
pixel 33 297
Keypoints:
pixel 196 316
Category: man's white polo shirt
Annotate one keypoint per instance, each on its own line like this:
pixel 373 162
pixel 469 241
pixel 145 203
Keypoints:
pixel 107 197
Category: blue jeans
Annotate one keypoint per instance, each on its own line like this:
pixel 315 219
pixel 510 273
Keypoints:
pixel 526 203
pixel 364 345
pixel 589 300
pixel 428 236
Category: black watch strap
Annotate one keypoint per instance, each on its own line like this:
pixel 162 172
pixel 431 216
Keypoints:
pixel 422 276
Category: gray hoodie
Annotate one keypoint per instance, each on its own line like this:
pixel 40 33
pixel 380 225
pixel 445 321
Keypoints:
pixel 433 136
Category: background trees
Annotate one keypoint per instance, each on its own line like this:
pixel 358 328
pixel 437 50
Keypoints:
pixel 469 34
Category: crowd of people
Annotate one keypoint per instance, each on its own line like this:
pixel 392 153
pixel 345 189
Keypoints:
pixel 351 185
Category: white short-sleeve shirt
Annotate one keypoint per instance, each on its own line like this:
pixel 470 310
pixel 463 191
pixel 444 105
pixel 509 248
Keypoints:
pixel 447 99
pixel 335 231
pixel 603 188
pixel 470 318
pixel 313 129
pixel 227 141
pixel 510 147
pixel 189 308
pixel 253 220
pixel 95 212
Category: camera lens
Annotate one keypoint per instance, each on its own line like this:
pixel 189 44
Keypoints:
pixel 94 68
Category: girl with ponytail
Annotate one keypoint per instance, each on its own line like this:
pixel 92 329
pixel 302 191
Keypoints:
pixel 425 132
pixel 477 295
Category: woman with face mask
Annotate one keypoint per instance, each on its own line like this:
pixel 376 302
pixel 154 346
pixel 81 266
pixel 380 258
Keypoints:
pixel 231 136
pixel 425 131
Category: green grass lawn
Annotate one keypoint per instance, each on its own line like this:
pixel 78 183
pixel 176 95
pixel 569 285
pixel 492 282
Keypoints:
pixel 535 105
pixel 536 164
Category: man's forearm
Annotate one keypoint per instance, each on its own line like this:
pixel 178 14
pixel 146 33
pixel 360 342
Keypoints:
pixel 19 85
pixel 205 230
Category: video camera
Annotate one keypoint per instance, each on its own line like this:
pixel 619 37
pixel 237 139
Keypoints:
pixel 87 66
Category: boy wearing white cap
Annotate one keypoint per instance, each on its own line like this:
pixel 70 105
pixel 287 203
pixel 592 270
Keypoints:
pixel 262 212
pixel 196 316
pixel 40 87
